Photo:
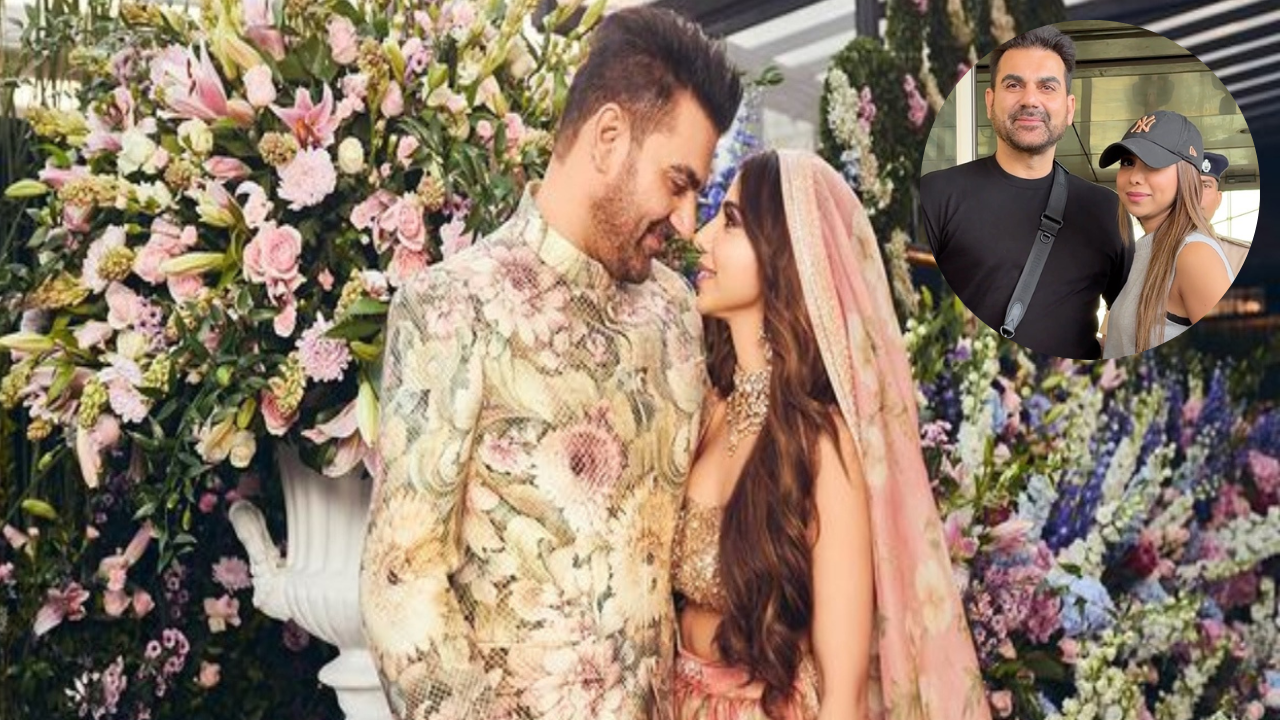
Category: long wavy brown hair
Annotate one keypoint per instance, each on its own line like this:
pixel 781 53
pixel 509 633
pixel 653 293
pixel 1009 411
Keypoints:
pixel 1184 218
pixel 766 560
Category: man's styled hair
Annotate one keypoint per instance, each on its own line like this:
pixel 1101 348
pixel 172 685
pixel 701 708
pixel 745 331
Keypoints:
pixel 1045 38
pixel 640 58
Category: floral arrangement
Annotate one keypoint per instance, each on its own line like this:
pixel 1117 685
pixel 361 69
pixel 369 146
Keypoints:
pixel 1115 527
pixel 220 227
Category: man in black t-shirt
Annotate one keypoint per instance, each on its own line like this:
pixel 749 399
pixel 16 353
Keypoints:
pixel 982 217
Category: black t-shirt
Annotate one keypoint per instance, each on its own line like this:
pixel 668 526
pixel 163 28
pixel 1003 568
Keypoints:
pixel 982 223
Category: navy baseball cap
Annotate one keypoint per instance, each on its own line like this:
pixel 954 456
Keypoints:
pixel 1159 139
pixel 1213 165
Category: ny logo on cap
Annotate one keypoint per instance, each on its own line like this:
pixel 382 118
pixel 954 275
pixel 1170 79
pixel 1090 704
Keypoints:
pixel 1193 150
pixel 1144 124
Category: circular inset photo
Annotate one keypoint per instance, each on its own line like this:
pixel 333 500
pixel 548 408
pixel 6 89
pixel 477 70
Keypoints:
pixel 1090 190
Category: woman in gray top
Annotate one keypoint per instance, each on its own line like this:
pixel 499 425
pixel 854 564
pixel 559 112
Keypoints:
pixel 1179 269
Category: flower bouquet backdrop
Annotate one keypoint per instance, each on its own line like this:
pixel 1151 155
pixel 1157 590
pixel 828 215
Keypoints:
pixel 219 223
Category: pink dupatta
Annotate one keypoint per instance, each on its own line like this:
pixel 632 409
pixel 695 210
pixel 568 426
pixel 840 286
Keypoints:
pixel 926 666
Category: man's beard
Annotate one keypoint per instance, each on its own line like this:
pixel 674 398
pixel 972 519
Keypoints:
pixel 1006 130
pixel 618 232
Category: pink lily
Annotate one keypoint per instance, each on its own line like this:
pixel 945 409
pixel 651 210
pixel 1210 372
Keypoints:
pixel 56 177
pixel 60 605
pixel 313 125
pixel 352 449
pixel 192 88
pixel 260 28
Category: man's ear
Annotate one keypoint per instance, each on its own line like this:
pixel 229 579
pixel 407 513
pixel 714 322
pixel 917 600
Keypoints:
pixel 990 96
pixel 610 136
pixel 1071 109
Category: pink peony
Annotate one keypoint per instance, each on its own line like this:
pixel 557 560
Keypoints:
pixel 308 179
pixel 259 86
pixel 323 359
pixel 344 42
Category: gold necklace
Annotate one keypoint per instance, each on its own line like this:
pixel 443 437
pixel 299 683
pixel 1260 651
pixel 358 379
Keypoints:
pixel 749 401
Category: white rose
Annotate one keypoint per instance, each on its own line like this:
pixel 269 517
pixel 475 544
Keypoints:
pixel 196 135
pixel 135 150
pixel 351 156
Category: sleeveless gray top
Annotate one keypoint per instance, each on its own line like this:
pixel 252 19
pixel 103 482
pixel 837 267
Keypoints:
pixel 1122 326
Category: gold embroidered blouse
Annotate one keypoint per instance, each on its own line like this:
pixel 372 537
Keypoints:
pixel 695 559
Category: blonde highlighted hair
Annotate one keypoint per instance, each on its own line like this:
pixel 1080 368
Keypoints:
pixel 1185 217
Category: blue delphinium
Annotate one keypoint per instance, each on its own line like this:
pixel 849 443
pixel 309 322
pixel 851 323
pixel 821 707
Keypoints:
pixel 1087 608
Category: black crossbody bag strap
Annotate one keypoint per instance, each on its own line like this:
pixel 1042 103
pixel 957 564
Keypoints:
pixel 1050 223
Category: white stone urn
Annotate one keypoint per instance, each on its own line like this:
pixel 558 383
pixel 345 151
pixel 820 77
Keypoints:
pixel 317 586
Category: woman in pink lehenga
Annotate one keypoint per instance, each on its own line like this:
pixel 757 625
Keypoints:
pixel 810 569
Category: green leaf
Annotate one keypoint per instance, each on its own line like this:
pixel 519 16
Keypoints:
pixel 367 306
pixel 354 330
pixel 146 511
pixel 61 380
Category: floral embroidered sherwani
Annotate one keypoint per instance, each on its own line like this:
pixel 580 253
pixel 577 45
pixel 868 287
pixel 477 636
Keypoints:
pixel 538 424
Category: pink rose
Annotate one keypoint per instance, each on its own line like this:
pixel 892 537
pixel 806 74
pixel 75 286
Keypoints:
pixel 226 168
pixel 272 256
pixel 410 225
pixel 364 214
pixel 484 130
pixel 185 287
pixel 405 149
pixel 259 87
pixel 277 422
pixel 393 100
pixel 344 43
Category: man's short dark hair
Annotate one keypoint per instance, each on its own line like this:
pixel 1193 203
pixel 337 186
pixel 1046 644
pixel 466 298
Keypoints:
pixel 640 58
pixel 1045 38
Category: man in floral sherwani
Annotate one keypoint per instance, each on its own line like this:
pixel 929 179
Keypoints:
pixel 541 397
